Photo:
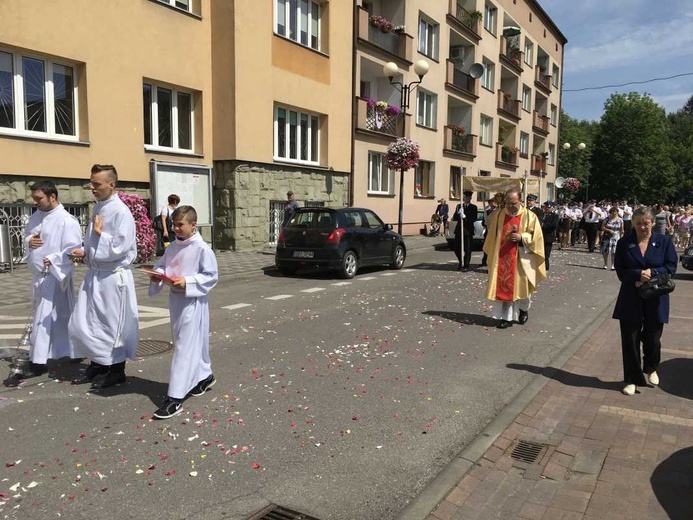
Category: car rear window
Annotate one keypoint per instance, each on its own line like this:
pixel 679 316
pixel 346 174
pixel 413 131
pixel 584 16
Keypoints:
pixel 312 220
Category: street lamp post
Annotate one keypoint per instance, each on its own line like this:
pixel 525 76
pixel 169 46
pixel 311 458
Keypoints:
pixel 390 70
pixel 580 147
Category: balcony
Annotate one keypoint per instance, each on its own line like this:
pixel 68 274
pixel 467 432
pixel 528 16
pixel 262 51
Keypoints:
pixel 540 124
pixel 397 45
pixel 459 143
pixel 539 164
pixel 542 81
pixel 371 119
pixel 511 56
pixel 468 22
pixel 506 156
pixel 509 107
pixel 462 82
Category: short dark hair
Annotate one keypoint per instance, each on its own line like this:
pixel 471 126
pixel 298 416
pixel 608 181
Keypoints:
pixel 112 172
pixel 47 187
pixel 173 199
pixel 184 212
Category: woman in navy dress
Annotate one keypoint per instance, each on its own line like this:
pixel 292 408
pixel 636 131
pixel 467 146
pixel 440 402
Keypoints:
pixel 640 255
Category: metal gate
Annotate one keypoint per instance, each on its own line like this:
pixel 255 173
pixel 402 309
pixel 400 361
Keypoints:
pixel 277 216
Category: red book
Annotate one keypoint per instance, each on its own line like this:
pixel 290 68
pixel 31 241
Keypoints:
pixel 151 272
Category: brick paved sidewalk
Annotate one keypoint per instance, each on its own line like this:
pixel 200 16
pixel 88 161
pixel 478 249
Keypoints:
pixel 604 455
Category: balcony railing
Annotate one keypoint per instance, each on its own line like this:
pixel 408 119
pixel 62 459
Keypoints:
pixel 462 143
pixel 542 80
pixel 468 19
pixel 509 105
pixel 539 163
pixel 398 44
pixel 506 154
pixel 376 120
pixel 541 123
pixel 461 80
pixel 512 53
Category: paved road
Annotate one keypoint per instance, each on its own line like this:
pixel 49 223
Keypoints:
pixel 338 399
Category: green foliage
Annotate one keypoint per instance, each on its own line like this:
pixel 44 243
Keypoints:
pixel 573 162
pixel 681 146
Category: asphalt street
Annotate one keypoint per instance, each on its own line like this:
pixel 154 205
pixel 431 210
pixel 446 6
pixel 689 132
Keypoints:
pixel 339 399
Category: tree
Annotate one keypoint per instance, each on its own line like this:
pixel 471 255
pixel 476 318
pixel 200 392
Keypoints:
pixel 572 162
pixel 681 146
pixel 631 157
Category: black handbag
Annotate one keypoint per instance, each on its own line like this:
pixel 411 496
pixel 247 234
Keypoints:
pixel 657 286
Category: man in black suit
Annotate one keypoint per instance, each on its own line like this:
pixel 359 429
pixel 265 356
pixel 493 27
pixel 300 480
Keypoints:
pixel 549 226
pixel 534 207
pixel 469 213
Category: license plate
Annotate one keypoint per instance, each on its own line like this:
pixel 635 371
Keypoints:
pixel 303 254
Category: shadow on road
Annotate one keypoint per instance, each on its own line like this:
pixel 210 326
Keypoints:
pixel 672 484
pixel 568 378
pixel 675 377
pixel 465 318
pixel 586 266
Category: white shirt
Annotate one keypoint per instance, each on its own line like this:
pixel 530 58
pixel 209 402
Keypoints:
pixel 627 212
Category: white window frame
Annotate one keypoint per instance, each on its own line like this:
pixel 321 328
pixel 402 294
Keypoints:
pixel 552 154
pixel 554 115
pixel 555 73
pixel 488 78
pixel 287 135
pixel 529 52
pixel 430 189
pixel 490 18
pixel 486 130
pixel 49 100
pixel 385 176
pixel 526 98
pixel 428 37
pixel 173 3
pixel 285 8
pixel 524 144
pixel 154 116
pixel 426 108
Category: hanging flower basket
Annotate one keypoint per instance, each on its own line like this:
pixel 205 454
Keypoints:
pixel 571 184
pixel 403 154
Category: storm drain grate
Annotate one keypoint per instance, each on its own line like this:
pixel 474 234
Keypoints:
pixel 274 512
pixel 152 347
pixel 527 451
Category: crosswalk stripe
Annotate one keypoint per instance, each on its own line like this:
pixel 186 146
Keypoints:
pixel 10 336
pixel 313 289
pixel 341 284
pixel 408 270
pixel 279 297
pixel 13 326
pixel 388 274
pixel 366 278
pixel 153 323
pixel 237 306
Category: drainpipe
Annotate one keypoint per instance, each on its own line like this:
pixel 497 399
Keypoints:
pixel 353 103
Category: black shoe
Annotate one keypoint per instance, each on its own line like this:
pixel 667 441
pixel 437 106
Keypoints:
pixel 170 408
pixel 77 360
pixel 522 319
pixel 115 376
pixel 204 385
pixel 35 370
pixel 459 267
pixel 92 371
pixel 504 324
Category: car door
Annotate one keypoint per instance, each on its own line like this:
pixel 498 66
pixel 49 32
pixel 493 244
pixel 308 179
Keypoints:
pixel 353 223
pixel 380 242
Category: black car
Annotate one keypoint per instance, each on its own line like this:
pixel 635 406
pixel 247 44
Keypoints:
pixel 343 239
pixel 687 258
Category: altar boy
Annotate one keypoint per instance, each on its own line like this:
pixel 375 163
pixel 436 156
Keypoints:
pixel 190 269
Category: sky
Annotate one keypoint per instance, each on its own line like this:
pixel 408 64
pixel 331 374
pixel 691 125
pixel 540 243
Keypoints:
pixel 611 42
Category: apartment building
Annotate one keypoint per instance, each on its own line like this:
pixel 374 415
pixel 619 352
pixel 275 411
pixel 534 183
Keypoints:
pixel 501 124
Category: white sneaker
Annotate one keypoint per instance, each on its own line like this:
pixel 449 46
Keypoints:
pixel 653 378
pixel 629 390
pixel 605 267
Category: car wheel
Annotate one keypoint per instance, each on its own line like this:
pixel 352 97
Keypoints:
pixel 349 265
pixel 287 270
pixel 398 257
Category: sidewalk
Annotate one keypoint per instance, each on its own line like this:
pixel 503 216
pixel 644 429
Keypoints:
pixel 15 286
pixel 589 451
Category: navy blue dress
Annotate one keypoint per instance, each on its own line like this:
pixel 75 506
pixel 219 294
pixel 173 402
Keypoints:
pixel 660 257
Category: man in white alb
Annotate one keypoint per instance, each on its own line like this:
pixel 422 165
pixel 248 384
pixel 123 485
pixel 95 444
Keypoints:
pixel 104 324
pixel 50 235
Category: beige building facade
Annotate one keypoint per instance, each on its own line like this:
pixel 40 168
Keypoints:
pixel 501 124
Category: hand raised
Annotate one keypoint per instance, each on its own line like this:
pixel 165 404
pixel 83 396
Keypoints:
pixel 98 224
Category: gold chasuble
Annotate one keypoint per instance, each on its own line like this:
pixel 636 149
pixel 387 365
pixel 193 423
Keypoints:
pixel 514 268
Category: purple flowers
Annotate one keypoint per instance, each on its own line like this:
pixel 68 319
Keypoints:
pixel 402 154
pixel 146 239
pixel 381 106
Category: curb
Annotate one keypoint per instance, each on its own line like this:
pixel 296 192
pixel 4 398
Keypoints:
pixel 445 481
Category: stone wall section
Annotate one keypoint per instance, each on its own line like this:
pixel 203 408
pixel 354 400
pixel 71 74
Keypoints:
pixel 243 192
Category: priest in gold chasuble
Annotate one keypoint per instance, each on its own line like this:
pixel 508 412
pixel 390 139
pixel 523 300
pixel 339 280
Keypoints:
pixel 515 248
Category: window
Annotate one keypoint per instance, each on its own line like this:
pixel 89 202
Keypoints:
pixel 296 136
pixel 38 97
pixel 486 136
pixel 425 179
pixel 552 154
pixel 185 5
pixel 455 182
pixel 554 76
pixel 299 20
pixel 380 177
pixel 529 53
pixel 428 38
pixel 554 115
pixel 426 108
pixel 490 17
pixel 488 78
pixel 169 117
pixel 372 220
pixel 524 144
pixel 526 98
